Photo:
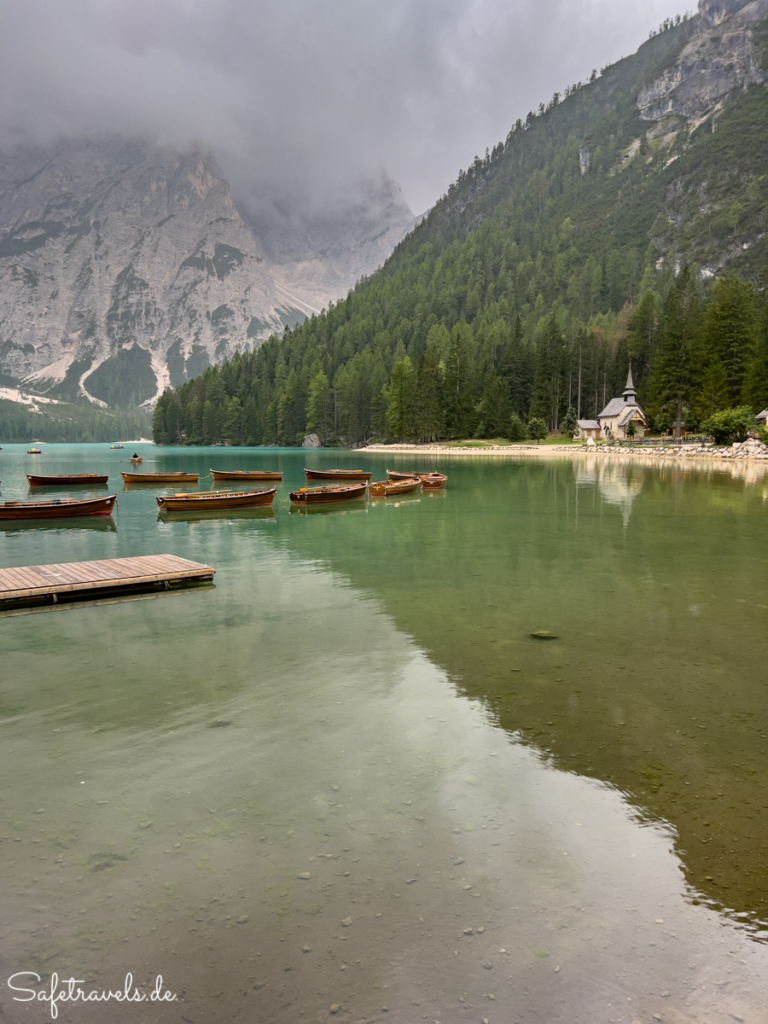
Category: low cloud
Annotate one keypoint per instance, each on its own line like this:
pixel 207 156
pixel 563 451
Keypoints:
pixel 303 97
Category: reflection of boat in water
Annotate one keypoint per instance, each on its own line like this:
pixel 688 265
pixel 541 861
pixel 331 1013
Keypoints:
pixel 210 500
pixel 160 478
pixel 246 474
pixel 66 480
pixel 58 508
pixel 191 515
pixel 408 499
pixel 390 488
pixel 104 523
pixel 356 505
pixel 337 474
pixel 327 495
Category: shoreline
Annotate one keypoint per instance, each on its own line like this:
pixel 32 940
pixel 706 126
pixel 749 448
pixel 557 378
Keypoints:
pixel 752 451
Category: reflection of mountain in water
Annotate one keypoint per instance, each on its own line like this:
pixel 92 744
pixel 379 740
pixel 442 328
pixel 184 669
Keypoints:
pixel 639 688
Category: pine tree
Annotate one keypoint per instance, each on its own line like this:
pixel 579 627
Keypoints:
pixel 730 332
pixel 429 407
pixel 401 414
pixel 756 383
pixel 320 406
pixel 677 350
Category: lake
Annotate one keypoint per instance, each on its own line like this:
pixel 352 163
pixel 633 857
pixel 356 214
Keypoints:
pixel 347 783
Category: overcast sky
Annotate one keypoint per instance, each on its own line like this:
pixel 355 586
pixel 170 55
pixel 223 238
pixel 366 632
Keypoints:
pixel 306 95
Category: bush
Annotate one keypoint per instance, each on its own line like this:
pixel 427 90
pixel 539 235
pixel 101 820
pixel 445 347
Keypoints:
pixel 537 429
pixel 730 425
pixel 517 429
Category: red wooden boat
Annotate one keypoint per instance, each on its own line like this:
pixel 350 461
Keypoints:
pixel 388 488
pixel 216 500
pixel 160 478
pixel 327 495
pixel 58 508
pixel 246 474
pixel 336 474
pixel 433 480
pixel 66 479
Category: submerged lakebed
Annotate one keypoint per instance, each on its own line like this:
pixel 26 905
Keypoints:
pixel 349 777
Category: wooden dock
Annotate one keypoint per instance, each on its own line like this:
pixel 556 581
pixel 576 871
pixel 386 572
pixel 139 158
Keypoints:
pixel 49 584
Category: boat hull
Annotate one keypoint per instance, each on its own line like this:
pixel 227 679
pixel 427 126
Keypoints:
pixel 66 480
pixel 58 508
pixel 328 495
pixel 428 480
pixel 160 478
pixel 216 500
pixel 337 474
pixel 388 489
pixel 245 474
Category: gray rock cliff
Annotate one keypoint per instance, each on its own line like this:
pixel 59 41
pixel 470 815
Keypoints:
pixel 126 266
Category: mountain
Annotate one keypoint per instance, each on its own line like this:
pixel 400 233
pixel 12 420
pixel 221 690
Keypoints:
pixel 320 254
pixel 126 267
pixel 550 264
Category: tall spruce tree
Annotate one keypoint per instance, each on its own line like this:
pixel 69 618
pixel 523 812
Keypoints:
pixel 730 331
pixel 677 358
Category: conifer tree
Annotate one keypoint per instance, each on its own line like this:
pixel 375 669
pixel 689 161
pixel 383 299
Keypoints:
pixel 729 332
pixel 401 415
pixel 677 350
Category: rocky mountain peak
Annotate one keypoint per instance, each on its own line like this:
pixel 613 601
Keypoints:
pixel 712 12
pixel 126 266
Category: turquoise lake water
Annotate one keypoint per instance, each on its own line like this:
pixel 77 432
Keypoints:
pixel 347 775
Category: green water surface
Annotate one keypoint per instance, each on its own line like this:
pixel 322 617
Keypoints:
pixel 356 723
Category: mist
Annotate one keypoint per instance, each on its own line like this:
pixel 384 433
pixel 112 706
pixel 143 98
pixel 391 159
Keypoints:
pixel 302 100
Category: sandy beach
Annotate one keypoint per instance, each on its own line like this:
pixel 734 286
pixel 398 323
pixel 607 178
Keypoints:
pixel 751 453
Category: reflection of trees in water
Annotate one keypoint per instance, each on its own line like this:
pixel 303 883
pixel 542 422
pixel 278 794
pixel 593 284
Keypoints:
pixel 639 690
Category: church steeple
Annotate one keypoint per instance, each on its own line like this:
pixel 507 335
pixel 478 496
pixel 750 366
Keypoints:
pixel 630 395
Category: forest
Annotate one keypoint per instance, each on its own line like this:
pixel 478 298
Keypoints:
pixel 75 423
pixel 530 286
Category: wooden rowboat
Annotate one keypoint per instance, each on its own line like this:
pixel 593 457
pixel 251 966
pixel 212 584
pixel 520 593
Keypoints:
pixel 326 495
pixel 58 508
pixel 216 500
pixel 433 480
pixel 160 478
pixel 336 474
pixel 34 451
pixel 66 479
pixel 246 474
pixel 388 488
pixel 136 460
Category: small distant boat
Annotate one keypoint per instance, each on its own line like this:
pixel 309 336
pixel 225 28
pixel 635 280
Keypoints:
pixel 160 478
pixel 326 495
pixel 66 480
pixel 58 508
pixel 246 474
pixel 337 474
pixel 34 451
pixel 117 446
pixel 216 500
pixel 433 480
pixel 388 488
pixel 136 460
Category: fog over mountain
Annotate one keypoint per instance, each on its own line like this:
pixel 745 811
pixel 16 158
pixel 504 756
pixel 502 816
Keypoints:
pixel 180 179
pixel 299 99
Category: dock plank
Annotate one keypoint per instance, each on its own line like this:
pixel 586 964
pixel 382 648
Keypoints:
pixel 21 583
